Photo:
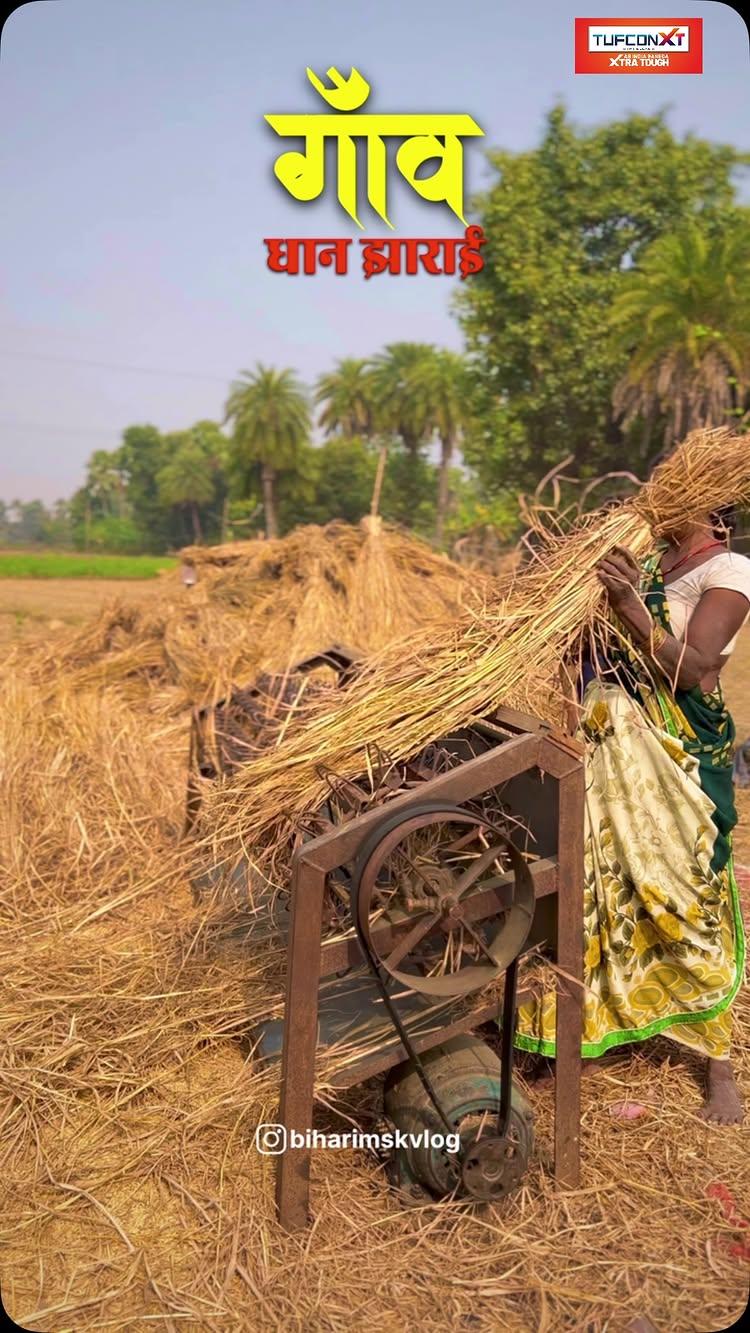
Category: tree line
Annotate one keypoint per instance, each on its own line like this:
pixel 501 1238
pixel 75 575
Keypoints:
pixel 612 316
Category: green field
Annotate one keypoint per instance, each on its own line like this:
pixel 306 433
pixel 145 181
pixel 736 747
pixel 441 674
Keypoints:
pixel 72 565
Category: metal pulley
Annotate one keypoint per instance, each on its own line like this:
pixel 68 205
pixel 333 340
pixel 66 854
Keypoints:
pixel 466 1077
pixel 431 871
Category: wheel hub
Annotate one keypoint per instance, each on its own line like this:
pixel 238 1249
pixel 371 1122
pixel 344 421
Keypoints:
pixel 493 1165
pixel 423 873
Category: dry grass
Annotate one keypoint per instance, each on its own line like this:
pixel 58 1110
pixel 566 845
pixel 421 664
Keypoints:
pixel 132 1190
pixel 132 1194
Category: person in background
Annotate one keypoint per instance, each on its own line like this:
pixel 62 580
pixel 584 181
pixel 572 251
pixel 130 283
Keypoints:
pixel 188 574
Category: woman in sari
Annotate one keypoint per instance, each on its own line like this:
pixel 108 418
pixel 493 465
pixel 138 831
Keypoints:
pixel 664 944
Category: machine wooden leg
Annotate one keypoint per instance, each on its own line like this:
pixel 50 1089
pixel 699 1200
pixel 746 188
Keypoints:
pixel 300 1042
pixel 570 994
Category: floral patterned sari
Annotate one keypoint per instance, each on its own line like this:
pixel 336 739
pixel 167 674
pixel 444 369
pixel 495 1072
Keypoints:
pixel 664 943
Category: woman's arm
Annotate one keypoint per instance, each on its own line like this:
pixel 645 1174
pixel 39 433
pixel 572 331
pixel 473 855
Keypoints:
pixel 713 624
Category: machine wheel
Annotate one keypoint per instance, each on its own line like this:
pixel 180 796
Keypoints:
pixel 425 869
pixel 465 1074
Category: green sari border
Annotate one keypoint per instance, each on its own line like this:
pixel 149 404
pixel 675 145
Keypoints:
pixel 590 1050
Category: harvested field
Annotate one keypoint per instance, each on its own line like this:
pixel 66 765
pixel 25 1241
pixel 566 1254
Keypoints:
pixel 132 1193
pixel 40 609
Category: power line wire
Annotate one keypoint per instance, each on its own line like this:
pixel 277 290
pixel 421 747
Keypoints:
pixel 61 430
pixel 116 365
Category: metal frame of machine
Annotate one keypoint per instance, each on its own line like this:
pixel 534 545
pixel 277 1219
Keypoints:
pixel 528 745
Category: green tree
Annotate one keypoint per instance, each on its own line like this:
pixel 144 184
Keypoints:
pixel 563 222
pixel 344 475
pixel 346 395
pixel 106 483
pixel 112 533
pixel 58 527
pixel 27 522
pixel 683 317
pixel 352 404
pixel 187 478
pixel 397 409
pixel 409 490
pixel 439 386
pixel 141 457
pixel 400 413
pixel 296 491
pixel 210 438
pixel 271 420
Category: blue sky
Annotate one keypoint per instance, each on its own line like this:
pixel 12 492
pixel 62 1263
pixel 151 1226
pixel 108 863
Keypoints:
pixel 136 185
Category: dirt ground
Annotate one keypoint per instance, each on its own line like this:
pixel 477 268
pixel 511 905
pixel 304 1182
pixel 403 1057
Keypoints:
pixel 33 608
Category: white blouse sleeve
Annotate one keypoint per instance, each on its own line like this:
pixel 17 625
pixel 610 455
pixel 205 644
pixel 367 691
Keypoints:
pixel 728 571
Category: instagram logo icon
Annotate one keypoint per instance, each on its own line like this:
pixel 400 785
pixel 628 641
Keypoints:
pixel 270 1139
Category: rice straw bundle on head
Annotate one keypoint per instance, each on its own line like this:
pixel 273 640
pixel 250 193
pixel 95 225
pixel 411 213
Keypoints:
pixel 711 468
pixel 439 678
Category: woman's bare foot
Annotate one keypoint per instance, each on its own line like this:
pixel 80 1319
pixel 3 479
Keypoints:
pixel 722 1105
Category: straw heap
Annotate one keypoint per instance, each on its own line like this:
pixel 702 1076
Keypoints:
pixel 260 606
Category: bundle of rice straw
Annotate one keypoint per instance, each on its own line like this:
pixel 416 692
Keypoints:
pixel 396 585
pixel 510 651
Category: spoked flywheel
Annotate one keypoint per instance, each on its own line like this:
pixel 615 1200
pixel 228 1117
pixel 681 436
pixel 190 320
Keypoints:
pixel 423 902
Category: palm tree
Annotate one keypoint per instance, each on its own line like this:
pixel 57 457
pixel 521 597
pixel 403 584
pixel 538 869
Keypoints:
pixel 398 411
pixel 187 479
pixel 347 397
pixel 397 408
pixel 350 405
pixel 684 317
pixel 105 483
pixel 271 419
pixel 438 384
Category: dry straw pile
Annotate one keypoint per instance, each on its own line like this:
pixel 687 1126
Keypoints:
pixel 259 606
pixel 131 1193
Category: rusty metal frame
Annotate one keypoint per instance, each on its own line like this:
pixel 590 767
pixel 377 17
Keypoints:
pixel 554 756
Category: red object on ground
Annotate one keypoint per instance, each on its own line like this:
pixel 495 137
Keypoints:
pixel 717 1190
pixel 628 1110
pixel 720 1191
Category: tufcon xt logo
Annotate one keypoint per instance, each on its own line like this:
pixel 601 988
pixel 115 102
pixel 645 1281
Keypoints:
pixel 639 46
